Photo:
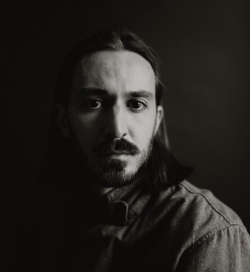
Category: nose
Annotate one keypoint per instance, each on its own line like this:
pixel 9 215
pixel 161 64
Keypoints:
pixel 116 122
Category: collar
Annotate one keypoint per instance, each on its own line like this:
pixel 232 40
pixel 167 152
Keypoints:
pixel 121 206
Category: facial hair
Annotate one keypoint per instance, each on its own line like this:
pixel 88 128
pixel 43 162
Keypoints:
pixel 114 171
pixel 113 174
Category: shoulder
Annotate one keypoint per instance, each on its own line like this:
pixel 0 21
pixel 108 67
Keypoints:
pixel 205 204
pixel 215 235
pixel 197 214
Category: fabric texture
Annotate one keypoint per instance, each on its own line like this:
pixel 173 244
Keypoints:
pixel 181 228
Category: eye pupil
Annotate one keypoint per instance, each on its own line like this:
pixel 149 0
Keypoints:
pixel 136 104
pixel 94 103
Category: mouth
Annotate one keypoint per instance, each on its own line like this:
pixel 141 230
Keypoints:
pixel 115 154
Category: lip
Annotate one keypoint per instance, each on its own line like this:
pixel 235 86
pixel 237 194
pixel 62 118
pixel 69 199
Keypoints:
pixel 114 153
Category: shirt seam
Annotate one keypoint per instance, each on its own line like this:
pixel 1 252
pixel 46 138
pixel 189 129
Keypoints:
pixel 212 233
pixel 231 223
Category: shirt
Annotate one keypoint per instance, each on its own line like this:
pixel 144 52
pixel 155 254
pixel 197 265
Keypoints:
pixel 135 228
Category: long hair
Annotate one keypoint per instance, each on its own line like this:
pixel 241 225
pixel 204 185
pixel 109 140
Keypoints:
pixel 162 165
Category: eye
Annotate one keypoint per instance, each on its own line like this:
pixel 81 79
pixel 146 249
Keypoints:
pixel 93 104
pixel 136 105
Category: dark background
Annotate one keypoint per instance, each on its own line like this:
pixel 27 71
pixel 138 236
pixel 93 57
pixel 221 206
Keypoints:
pixel 204 49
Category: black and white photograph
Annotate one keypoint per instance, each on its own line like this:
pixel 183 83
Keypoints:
pixel 125 136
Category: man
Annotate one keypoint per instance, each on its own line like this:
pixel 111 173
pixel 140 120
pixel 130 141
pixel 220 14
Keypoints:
pixel 122 201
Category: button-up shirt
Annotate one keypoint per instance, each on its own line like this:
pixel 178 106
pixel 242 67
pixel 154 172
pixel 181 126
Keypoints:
pixel 135 228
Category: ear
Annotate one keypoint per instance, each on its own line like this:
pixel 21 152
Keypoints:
pixel 61 117
pixel 159 116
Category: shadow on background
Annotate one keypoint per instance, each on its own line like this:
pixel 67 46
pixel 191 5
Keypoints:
pixel 204 50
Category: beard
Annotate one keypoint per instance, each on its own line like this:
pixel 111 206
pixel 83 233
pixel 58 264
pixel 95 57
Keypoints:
pixel 114 173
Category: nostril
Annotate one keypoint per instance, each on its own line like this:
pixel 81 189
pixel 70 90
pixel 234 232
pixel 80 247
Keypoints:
pixel 124 134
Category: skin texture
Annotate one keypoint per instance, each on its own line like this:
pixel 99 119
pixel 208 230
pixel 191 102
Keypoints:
pixel 112 97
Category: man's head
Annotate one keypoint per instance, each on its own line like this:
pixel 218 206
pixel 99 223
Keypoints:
pixel 108 103
pixel 112 114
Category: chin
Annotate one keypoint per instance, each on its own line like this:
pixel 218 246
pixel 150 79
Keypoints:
pixel 117 179
pixel 117 173
pixel 117 176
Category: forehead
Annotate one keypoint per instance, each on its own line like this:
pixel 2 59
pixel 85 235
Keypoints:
pixel 115 71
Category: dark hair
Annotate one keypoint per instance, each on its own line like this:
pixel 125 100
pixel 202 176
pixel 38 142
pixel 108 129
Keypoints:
pixel 162 163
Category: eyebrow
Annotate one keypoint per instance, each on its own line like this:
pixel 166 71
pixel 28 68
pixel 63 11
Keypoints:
pixel 92 91
pixel 98 91
pixel 142 93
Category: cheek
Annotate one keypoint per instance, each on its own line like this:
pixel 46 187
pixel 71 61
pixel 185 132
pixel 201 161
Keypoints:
pixel 143 130
pixel 85 130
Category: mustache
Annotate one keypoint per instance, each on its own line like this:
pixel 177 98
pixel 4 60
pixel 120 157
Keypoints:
pixel 118 145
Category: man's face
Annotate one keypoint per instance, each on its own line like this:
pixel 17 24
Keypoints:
pixel 112 114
